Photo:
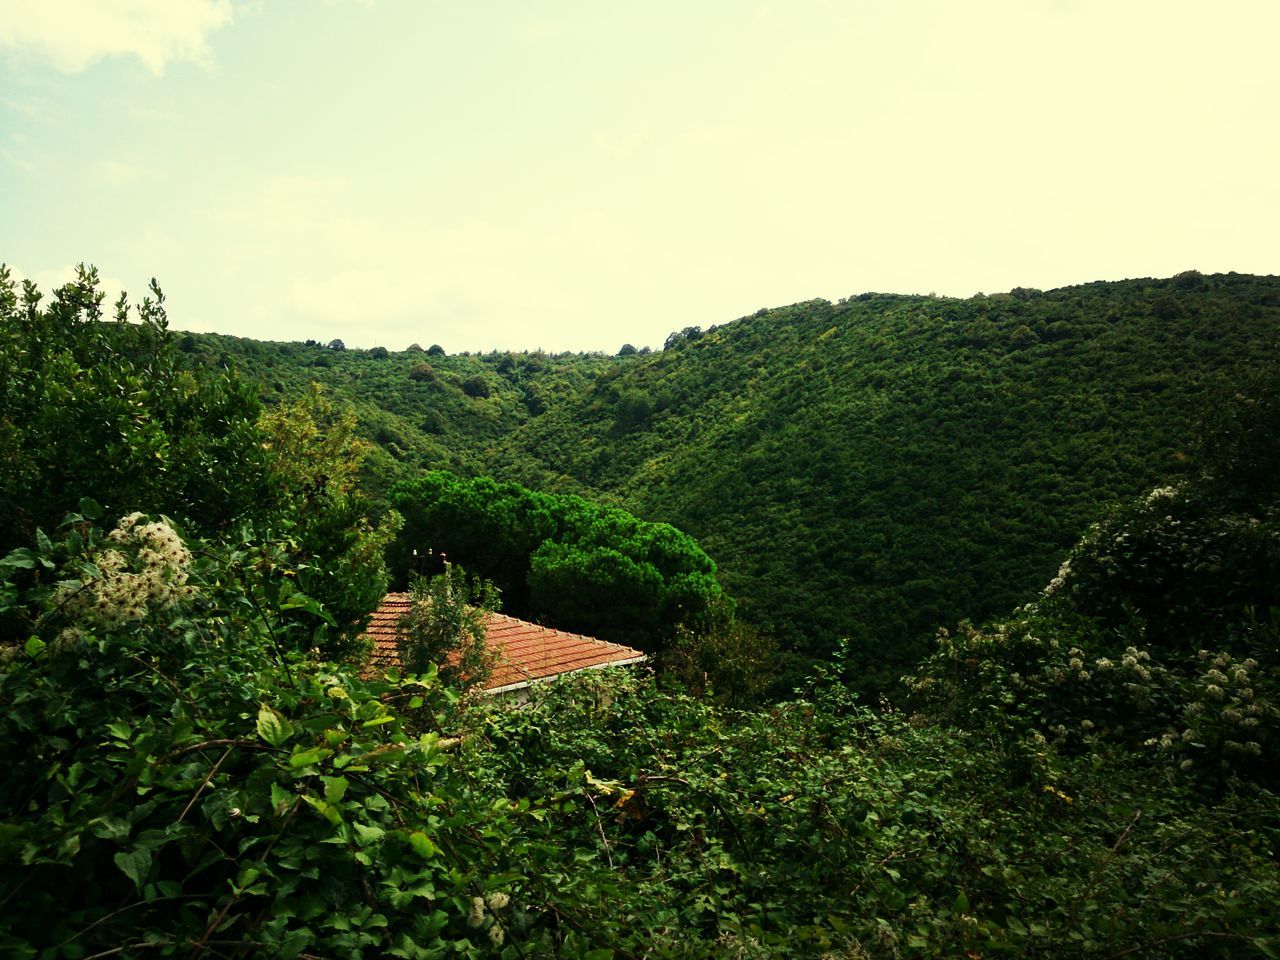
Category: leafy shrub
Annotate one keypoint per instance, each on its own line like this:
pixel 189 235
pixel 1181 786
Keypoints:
pixel 444 631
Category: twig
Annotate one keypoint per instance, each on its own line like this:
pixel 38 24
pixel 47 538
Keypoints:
pixel 199 790
pixel 600 828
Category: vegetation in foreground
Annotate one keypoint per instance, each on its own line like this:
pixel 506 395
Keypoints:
pixel 195 765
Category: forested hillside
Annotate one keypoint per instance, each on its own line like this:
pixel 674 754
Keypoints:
pixel 202 761
pixel 870 469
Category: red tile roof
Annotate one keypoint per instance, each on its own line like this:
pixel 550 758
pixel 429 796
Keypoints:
pixel 526 651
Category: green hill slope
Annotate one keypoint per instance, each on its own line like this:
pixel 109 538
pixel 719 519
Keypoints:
pixel 869 469
pixel 885 465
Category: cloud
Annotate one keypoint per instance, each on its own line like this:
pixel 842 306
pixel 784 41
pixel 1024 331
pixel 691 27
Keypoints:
pixel 74 34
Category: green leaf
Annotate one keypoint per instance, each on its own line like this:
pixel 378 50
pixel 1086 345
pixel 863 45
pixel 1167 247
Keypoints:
pixel 962 903
pixel 368 834
pixel 90 508
pixel 335 788
pixel 324 808
pixel 273 727
pixel 423 846
pixel 280 798
pixel 120 730
pixel 304 758
pixel 134 864
pixel 35 646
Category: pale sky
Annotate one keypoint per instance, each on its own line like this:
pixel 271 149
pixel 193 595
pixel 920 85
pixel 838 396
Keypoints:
pixel 576 175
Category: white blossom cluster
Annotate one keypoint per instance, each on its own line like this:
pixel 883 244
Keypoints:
pixel 144 567
pixel 481 915
pixel 1161 493
pixel 1057 583
pixel 1228 711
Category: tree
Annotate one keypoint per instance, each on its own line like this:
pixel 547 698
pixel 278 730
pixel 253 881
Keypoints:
pixel 585 567
pixel 435 350
pixel 446 627
pixel 336 344
pixel 476 387
pixel 101 408
pixel 339 550
pixel 627 350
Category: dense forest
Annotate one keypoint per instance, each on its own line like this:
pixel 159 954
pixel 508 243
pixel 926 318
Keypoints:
pixel 1081 486
pixel 869 470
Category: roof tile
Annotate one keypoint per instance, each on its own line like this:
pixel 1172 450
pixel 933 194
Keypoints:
pixel 526 651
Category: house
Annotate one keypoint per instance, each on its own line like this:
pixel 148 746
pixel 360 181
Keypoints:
pixel 527 652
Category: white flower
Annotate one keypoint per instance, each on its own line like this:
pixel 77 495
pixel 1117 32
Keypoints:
pixel 498 901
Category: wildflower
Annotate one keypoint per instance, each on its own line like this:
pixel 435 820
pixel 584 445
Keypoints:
pixel 1253 748
pixel 1240 675
pixel 1217 676
pixel 496 936
pixel 1250 664
pixel 498 901
pixel 1086 725
pixel 1213 691
pixel 475 916
pixel 1188 735
pixel 1075 663
pixel 1102 663
pixel 1186 765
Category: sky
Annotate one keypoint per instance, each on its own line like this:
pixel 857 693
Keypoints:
pixel 579 175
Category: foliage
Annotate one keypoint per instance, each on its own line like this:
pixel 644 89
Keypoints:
pixel 445 630
pixel 585 567
pixel 725 659
pixel 872 469
pixel 176 787
pixel 315 456
pixel 1160 631
pixel 92 404
pixel 822 828
pixel 882 466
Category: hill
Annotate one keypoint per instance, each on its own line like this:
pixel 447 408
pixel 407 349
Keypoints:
pixel 871 469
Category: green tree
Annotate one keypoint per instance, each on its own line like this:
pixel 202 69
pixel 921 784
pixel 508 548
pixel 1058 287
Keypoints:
pixel 89 405
pixel 445 628
pixel 315 457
